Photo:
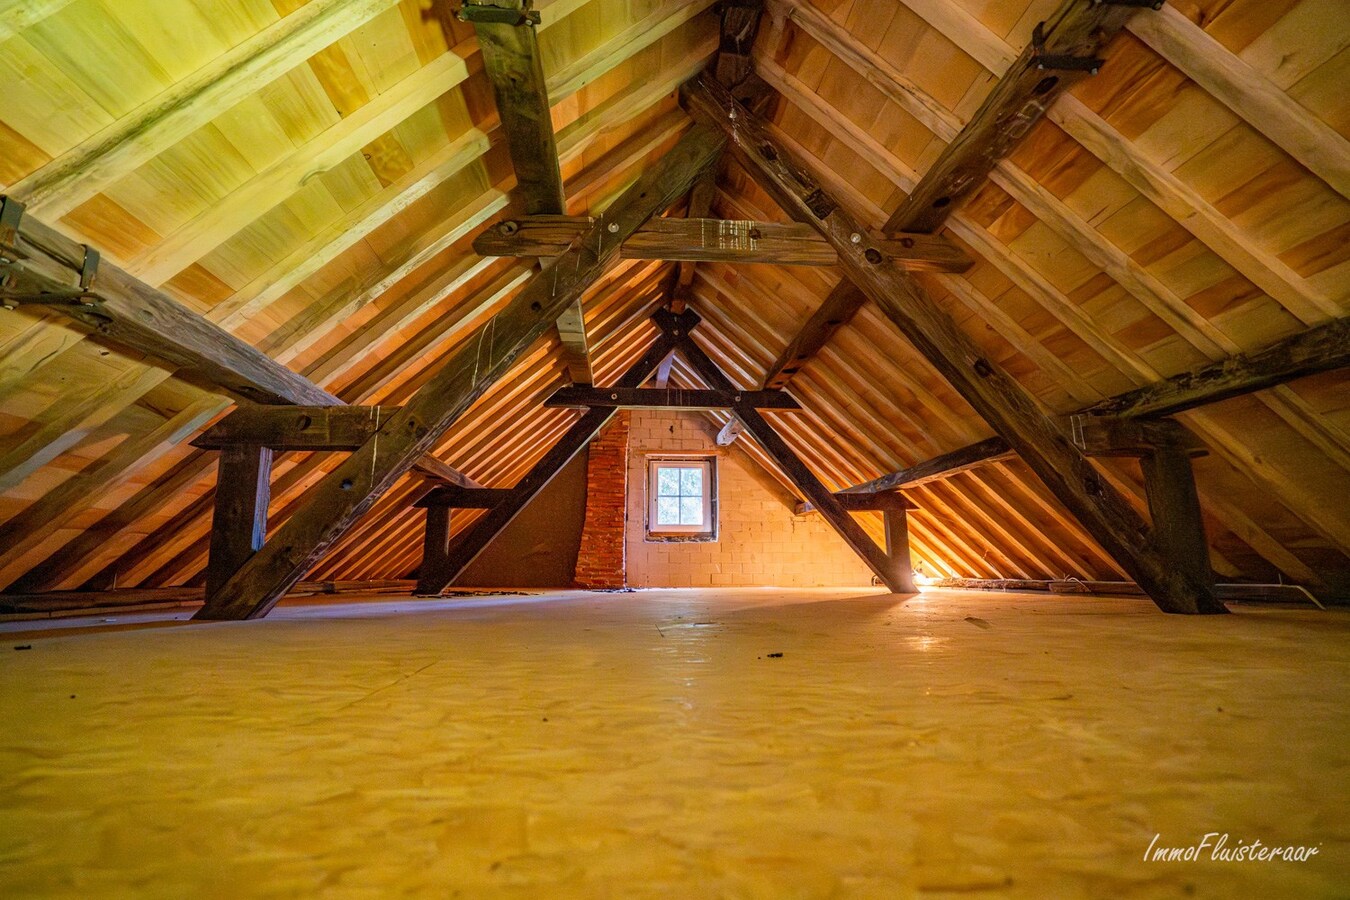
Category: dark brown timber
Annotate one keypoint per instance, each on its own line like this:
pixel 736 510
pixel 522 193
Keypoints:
pixel 669 398
pixel 1078 30
pixel 334 504
pixel 1320 349
pixel 239 521
pixel 716 240
pixel 439 569
pixel 512 62
pixel 839 307
pixel 999 399
pixel 129 313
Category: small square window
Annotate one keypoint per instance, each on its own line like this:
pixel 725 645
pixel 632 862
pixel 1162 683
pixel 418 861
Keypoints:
pixel 681 498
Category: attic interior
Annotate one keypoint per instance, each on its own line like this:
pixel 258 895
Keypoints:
pixel 742 448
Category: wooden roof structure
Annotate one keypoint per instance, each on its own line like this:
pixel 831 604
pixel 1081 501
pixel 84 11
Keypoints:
pixel 1148 216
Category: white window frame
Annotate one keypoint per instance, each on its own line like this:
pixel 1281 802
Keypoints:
pixel 706 531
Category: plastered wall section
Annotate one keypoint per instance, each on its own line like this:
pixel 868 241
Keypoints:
pixel 760 542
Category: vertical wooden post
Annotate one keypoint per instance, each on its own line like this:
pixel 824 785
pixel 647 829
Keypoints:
pixel 435 552
pixel 897 548
pixel 1174 506
pixel 239 521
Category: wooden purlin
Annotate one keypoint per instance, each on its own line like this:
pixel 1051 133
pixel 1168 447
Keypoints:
pixel 351 488
pixel 994 395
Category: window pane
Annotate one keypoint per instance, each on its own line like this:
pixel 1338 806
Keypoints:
pixel 691 510
pixel 691 482
pixel 667 511
pixel 667 481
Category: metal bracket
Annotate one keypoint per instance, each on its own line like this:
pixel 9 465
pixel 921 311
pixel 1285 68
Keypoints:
pixel 11 214
pixel 1060 61
pixel 496 15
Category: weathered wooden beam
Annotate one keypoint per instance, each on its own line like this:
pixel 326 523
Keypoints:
pixel 351 488
pixel 839 307
pixel 880 502
pixel 513 64
pixel 1110 436
pixel 896 524
pixel 716 240
pixel 730 431
pixel 670 398
pixel 797 472
pixel 999 399
pixel 296 427
pixel 43 266
pixel 740 24
pixel 701 198
pixel 239 521
pixel 1174 507
pixel 440 569
pixel 1062 52
pixel 1320 349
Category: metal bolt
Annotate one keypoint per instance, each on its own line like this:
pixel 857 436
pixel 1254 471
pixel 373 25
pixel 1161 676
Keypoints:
pixel 855 238
pixel 614 396
pixel 613 227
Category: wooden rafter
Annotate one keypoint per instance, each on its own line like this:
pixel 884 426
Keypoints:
pixel 351 488
pixel 1002 402
pixel 668 398
pixel 1062 52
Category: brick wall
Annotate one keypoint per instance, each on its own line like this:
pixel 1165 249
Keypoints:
pixel 600 560
pixel 759 541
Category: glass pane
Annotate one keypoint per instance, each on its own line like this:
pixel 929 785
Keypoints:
pixel 691 510
pixel 667 511
pixel 691 482
pixel 667 481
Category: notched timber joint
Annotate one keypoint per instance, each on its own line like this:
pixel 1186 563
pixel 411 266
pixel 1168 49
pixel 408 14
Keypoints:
pixel 11 216
pixel 1061 61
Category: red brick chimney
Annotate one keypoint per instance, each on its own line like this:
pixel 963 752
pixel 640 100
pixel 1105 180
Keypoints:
pixel 600 561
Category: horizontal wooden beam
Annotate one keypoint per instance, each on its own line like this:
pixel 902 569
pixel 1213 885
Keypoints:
pixel 315 428
pixel 669 398
pixel 1320 349
pixel 1110 436
pixel 716 240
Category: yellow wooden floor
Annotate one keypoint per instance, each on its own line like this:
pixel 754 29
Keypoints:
pixel 649 744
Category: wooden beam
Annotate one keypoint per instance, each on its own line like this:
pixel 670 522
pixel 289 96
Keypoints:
pixel 791 465
pixel 716 240
pixel 733 429
pixel 839 308
pixel 239 520
pixel 1251 95
pixel 1110 436
pixel 1063 52
pixel 670 398
pixel 740 24
pixel 511 58
pixel 439 570
pixel 999 399
pixel 127 312
pixel 348 491
pixel 296 427
pixel 701 197
pixel 1320 349
pixel 879 502
pixel 162 121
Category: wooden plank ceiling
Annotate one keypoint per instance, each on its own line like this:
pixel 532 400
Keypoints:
pixel 311 176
